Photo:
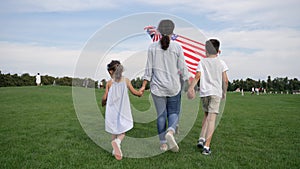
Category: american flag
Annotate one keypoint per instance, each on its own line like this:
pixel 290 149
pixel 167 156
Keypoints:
pixel 193 51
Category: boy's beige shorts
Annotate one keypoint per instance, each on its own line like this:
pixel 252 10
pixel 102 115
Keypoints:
pixel 211 104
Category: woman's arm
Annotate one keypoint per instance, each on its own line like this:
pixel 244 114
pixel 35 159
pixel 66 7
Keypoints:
pixel 191 90
pixel 195 80
pixel 182 66
pixel 143 86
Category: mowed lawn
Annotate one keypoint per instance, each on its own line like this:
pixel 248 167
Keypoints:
pixel 39 129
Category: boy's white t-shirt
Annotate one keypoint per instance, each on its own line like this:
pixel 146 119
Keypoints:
pixel 211 76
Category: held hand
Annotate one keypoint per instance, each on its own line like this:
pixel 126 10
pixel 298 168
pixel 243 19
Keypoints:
pixel 103 102
pixel 191 93
pixel 142 90
pixel 140 93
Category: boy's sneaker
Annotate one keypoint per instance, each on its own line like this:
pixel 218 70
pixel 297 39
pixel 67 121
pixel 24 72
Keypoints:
pixel 206 151
pixel 201 143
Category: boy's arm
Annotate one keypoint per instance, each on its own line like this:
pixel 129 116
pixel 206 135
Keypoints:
pixel 104 97
pixel 224 84
pixel 132 89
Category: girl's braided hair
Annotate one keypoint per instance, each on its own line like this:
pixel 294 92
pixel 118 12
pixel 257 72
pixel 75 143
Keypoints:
pixel 116 68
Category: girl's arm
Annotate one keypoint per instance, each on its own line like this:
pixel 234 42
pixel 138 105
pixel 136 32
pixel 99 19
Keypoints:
pixel 104 97
pixel 132 89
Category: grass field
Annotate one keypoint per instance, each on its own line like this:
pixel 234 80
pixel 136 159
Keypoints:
pixel 39 129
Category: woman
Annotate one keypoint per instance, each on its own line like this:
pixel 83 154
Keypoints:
pixel 165 65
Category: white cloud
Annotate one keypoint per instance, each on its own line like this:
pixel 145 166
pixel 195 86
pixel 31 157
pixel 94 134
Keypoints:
pixel 134 63
pixel 30 58
pixel 259 53
pixel 250 13
pixel 255 54
pixel 57 5
pixel 262 41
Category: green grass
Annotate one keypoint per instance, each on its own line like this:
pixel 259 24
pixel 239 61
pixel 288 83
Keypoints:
pixel 39 129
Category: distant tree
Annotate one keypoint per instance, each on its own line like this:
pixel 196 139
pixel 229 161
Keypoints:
pixel 258 84
pixel 235 84
pixel 17 80
pixel 75 82
pixel 285 83
pixel 103 81
pixel 250 83
pixel 296 84
pixel 1 79
pixel 27 80
pixel 269 84
pixel 48 80
pixel 230 86
pixel 242 84
pixel 137 83
pixel 95 84
pixel 65 81
pixel 264 84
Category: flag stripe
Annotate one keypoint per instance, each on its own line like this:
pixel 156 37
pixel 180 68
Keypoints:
pixel 197 53
pixel 186 43
pixel 193 72
pixel 191 40
pixel 191 56
pixel 191 63
pixel 192 68
pixel 193 50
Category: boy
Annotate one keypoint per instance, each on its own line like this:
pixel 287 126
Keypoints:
pixel 211 72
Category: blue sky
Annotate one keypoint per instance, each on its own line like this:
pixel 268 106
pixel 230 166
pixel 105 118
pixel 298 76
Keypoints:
pixel 259 37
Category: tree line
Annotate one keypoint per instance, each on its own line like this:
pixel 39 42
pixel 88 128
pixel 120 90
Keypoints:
pixel 25 79
pixel 270 85
pixel 275 85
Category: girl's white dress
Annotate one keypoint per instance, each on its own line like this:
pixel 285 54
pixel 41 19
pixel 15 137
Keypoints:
pixel 118 117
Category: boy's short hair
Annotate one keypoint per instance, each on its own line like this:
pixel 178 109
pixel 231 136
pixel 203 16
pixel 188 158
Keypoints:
pixel 212 46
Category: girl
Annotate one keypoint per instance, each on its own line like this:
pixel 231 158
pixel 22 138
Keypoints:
pixel 118 117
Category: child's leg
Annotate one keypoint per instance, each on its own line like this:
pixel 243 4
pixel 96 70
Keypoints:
pixel 211 118
pixel 114 136
pixel 121 137
pixel 116 145
pixel 204 126
pixel 201 140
